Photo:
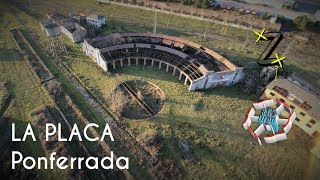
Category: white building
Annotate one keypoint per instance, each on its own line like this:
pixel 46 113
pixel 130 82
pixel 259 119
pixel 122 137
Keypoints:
pixel 68 27
pixel 96 20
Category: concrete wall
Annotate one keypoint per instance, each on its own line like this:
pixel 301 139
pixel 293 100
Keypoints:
pixel 197 84
pixel 72 36
pixel 67 33
pixel 224 78
pixel 216 79
pixel 102 62
pixel 53 31
pixel 50 31
pixel 95 54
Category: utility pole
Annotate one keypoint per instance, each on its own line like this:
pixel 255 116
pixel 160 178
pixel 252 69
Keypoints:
pixel 155 22
pixel 25 4
pixel 205 33
pixel 30 5
pixel 247 39
pixel 289 47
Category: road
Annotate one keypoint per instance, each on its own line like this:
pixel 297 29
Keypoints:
pixel 275 9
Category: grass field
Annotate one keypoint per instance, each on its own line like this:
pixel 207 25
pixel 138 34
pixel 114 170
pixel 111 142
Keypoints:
pixel 28 95
pixel 87 110
pixel 2 92
pixel 195 117
pixel 209 121
pixel 218 37
pixel 26 82
pixel 206 122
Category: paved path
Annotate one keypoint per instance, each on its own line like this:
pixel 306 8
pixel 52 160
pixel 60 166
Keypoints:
pixel 276 9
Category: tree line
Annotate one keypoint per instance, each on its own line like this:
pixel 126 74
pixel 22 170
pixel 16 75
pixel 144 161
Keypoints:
pixel 198 3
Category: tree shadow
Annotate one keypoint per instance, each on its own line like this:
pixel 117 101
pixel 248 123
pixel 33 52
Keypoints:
pixel 231 92
pixel 10 55
pixel 199 106
pixel 142 71
pixel 7 146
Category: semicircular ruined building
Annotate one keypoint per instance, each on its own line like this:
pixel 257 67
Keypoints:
pixel 195 65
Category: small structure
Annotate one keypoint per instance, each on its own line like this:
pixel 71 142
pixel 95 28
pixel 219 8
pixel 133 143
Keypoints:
pixel 289 4
pixel 78 18
pixel 96 20
pixel 69 27
pixel 50 28
pixel 273 19
pixel 267 73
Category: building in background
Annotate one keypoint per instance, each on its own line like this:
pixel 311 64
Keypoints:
pixel 69 27
pixel 96 20
pixel 304 102
pixel 79 18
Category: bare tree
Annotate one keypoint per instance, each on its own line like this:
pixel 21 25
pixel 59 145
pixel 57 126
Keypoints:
pixel 118 101
pixel 140 95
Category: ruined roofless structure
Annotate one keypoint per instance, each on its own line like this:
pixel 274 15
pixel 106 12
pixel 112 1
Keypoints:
pixel 69 27
pixel 195 65
pixel 50 28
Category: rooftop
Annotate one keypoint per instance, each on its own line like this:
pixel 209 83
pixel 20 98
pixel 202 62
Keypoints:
pixel 95 17
pixel 311 98
pixel 68 23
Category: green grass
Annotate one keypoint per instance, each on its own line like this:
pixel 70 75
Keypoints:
pixel 88 111
pixel 214 131
pixel 13 21
pixel 2 92
pixel 221 147
pixel 70 89
pixel 218 37
pixel 28 95
pixel 9 54
pixel 218 141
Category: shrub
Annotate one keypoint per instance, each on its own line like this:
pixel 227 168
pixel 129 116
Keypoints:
pixel 187 2
pixel 205 4
pixel 302 22
pixel 140 95
pixel 202 4
pixel 118 101
pixel 152 142
pixel 198 3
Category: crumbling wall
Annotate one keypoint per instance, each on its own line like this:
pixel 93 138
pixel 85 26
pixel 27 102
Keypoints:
pixel 94 54
pixel 50 28
pixel 215 79
pixel 52 31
